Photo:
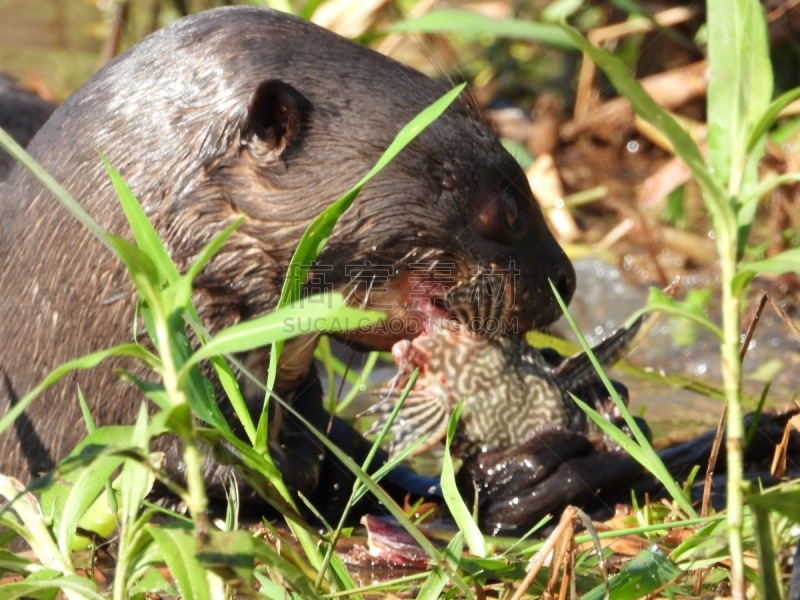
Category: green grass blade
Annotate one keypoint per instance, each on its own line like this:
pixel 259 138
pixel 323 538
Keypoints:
pixel 390 505
pixel 89 361
pixel 88 486
pixel 714 194
pixel 55 188
pixel 658 301
pixel 768 185
pixel 134 483
pixel 466 22
pixel 458 508
pixel 647 572
pixel 135 480
pixel 230 385
pixel 768 119
pixel 437 580
pixel 143 231
pixel 643 450
pixel 434 585
pixel 180 553
pixel 769 580
pixel 183 287
pixel 296 578
pixel 31 525
pixel 784 262
pixel 739 89
pixel 785 502
pixel 326 312
pixel 72 586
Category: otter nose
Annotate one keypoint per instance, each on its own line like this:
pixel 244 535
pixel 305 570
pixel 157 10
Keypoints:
pixel 564 279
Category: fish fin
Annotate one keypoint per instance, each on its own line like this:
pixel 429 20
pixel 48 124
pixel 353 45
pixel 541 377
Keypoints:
pixel 423 415
pixel 579 370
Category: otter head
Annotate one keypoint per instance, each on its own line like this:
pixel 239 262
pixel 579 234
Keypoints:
pixel 248 112
pixel 449 228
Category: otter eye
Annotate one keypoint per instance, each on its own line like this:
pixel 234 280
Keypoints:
pixel 503 220
pixel 510 213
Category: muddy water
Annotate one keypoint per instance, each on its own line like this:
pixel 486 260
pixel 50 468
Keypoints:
pixel 604 300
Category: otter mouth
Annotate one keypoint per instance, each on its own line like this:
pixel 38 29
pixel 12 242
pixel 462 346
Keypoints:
pixel 414 308
pixel 404 320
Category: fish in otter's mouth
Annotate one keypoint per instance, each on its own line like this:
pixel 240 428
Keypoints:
pixel 509 388
pixel 482 302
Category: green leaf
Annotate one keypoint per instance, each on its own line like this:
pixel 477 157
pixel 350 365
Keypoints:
pixel 647 572
pixel 290 572
pixel 179 550
pixel 784 502
pixel 136 479
pixel 55 188
pixel 769 579
pixel 768 119
pixel 32 526
pixel 767 186
pixel 141 269
pixel 71 586
pixel 434 584
pixel 15 562
pixel 151 581
pixel 258 469
pixel 325 312
pixel 661 302
pixel 471 23
pixel 183 287
pixel 143 231
pixel 458 509
pixel 714 194
pixel 198 389
pixel 231 551
pixel 89 484
pixel 784 262
pixel 87 361
pixel 739 88
pixel 641 451
pixel 390 505
pixel 230 385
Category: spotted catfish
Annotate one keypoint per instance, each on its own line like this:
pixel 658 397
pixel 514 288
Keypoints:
pixel 510 389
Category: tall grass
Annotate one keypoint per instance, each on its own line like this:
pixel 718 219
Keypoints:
pixel 739 115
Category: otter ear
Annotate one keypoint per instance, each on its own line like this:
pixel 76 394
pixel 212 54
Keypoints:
pixel 275 118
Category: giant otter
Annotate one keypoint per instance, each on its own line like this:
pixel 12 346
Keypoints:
pixel 243 111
